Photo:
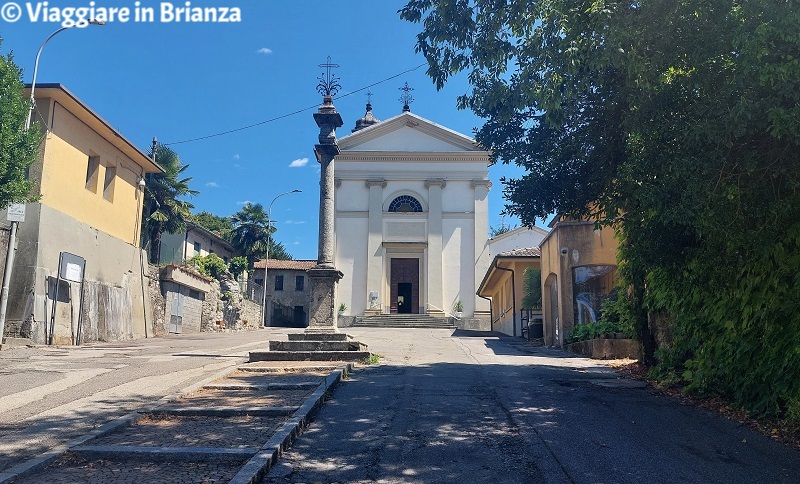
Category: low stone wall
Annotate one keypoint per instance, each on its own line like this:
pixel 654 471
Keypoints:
pixel 472 324
pixel 251 313
pixel 607 349
pixel 157 302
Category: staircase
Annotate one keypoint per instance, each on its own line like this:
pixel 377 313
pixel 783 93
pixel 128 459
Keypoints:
pixel 313 347
pixel 403 321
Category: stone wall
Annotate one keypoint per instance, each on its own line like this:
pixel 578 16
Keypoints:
pixel 157 302
pixel 251 313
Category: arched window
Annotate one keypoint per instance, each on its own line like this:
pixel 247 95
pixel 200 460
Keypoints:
pixel 405 203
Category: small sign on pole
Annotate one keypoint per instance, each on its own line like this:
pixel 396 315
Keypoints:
pixel 16 212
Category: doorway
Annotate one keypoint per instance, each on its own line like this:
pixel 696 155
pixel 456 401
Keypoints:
pixel 404 298
pixel 404 280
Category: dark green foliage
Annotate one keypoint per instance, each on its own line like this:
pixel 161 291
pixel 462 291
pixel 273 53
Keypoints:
pixel 164 207
pixel 677 123
pixel 18 146
pixel 532 289
pixel 222 226
pixel 238 265
pixel 615 318
pixel 252 235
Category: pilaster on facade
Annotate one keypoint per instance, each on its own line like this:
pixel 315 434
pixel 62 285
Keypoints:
pixel 435 259
pixel 380 182
pixel 435 182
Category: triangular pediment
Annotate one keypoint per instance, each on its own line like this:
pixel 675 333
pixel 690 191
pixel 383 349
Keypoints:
pixel 407 132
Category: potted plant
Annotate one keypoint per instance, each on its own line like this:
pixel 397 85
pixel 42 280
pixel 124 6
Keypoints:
pixel 459 309
pixel 342 308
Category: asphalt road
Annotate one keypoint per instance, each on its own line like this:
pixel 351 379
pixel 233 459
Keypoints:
pixel 479 408
pixel 50 395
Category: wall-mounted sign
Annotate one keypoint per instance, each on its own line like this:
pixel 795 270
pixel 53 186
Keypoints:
pixel 16 212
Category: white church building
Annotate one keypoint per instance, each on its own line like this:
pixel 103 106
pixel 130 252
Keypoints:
pixel 411 219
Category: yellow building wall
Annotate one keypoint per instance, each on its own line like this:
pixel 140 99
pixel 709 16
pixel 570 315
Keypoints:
pixel 503 294
pixel 570 245
pixel 68 147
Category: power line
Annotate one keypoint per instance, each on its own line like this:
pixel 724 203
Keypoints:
pixel 293 112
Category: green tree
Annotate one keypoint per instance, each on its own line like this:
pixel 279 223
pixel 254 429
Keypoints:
pixel 252 234
pixel 18 146
pixel 677 123
pixel 237 265
pixel 164 207
pixel 221 226
pixel 532 289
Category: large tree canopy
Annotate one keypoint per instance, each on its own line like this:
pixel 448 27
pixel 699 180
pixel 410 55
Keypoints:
pixel 165 207
pixel 18 146
pixel 252 235
pixel 678 123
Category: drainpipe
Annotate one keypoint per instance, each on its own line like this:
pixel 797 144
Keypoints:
pixel 491 316
pixel 513 295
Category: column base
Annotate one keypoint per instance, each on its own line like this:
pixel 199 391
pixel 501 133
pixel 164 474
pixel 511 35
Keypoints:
pixel 323 297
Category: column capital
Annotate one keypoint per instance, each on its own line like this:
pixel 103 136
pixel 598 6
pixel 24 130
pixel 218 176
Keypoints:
pixel 485 183
pixel 337 182
pixel 375 182
pixel 435 182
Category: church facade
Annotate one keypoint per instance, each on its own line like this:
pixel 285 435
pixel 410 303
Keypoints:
pixel 411 219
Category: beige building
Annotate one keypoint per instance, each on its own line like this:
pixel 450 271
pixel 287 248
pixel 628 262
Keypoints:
pixel 195 240
pixel 89 180
pixel 579 267
pixel 288 291
pixel 504 286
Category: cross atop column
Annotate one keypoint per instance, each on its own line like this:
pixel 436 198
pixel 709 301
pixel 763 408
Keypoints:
pixel 328 82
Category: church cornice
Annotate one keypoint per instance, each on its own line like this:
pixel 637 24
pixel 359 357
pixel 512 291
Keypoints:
pixel 414 157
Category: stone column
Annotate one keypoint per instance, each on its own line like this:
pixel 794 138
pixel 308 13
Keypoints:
pixel 324 277
pixel 435 280
pixel 375 238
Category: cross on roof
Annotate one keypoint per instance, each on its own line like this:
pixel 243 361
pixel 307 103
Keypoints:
pixel 406 97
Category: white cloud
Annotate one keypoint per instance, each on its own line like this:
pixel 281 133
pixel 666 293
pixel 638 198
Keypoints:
pixel 236 156
pixel 294 222
pixel 212 184
pixel 295 243
pixel 264 51
pixel 244 202
pixel 298 163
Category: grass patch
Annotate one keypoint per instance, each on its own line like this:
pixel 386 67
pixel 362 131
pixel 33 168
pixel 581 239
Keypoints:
pixel 374 359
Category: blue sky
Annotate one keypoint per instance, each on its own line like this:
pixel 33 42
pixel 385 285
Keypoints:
pixel 181 81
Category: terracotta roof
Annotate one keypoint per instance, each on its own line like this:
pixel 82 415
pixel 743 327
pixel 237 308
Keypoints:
pixel 522 252
pixel 302 265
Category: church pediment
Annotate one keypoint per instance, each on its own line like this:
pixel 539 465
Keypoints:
pixel 408 132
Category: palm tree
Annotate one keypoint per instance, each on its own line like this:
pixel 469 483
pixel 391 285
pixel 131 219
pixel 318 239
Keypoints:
pixel 251 234
pixel 163 209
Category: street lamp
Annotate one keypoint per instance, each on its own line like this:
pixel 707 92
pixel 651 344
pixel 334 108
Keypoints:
pixel 12 239
pixel 36 64
pixel 266 261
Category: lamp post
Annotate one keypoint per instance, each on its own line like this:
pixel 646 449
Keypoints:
pixel 36 64
pixel 266 261
pixel 12 239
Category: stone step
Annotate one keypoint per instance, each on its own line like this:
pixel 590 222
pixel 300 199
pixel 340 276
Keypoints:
pixel 319 337
pixel 316 346
pixel 309 355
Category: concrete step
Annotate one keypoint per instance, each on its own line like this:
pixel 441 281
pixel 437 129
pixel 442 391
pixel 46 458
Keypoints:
pixel 309 355
pixel 316 346
pixel 403 321
pixel 319 337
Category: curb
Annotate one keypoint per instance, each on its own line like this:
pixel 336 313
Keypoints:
pixel 268 455
pixel 47 458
